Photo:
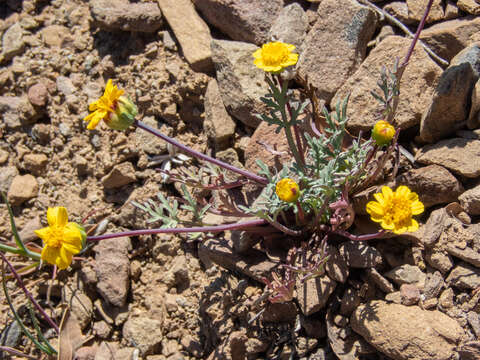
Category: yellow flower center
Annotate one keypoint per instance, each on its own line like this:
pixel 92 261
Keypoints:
pixel 274 54
pixel 399 211
pixel 55 237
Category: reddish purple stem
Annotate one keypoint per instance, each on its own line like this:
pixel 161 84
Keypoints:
pixel 217 228
pixel 199 155
pixel 29 295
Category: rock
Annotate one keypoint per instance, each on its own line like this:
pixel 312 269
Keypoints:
pixel 179 270
pixel 473 121
pixel 263 139
pixel 86 352
pixel 144 332
pixel 280 312
pixel 107 351
pixel 464 277
pixel 11 335
pixel 336 45
pixel 290 26
pixel 468 254
pixel 3 156
pixel 35 163
pixel 149 142
pixel 448 38
pixel 419 77
pixel 407 332
pixel 407 274
pixel 360 255
pixel 470 201
pixel 241 20
pixel 126 16
pixel 350 301
pixel 449 108
pixel 400 11
pixel 439 260
pixel 17 111
pixel 112 268
pixel 80 305
pixel 7 174
pixel 13 43
pixel 457 154
pixel 469 6
pixel 433 184
pixel 191 32
pixel 451 11
pixel 410 294
pixel 22 188
pixel 218 125
pixel 469 55
pixel 446 299
pixel 65 86
pixel 38 94
pixel 434 226
pixel 433 285
pixel 312 295
pixel 27 233
pixel 377 278
pixel 416 8
pixel 336 266
pixel 474 321
pixel 54 35
pixel 240 82
pixel 254 264
pixel 102 329
pixel 121 174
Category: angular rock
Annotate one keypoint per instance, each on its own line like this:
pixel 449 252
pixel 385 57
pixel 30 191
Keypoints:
pixel 439 259
pixel 469 55
pixel 126 16
pixel 17 111
pixel 468 254
pixel 470 200
pixel 407 332
pixel 80 305
pixel 464 277
pixel 473 121
pixel 312 295
pixel 65 85
pixel 470 350
pixel 38 94
pixel 433 285
pixel 290 26
pixel 448 38
pixel 144 332
pixel 191 32
pixel 254 264
pixel 336 45
pixel 407 274
pixel 469 6
pixel 382 283
pixel 218 125
pixel 112 267
pixel 12 42
pixel 433 184
pixel 399 10
pixel 35 163
pixel 7 174
pixel 22 188
pixel 149 142
pixel 420 77
pixel 410 294
pixel 462 156
pixel 263 139
pixel 336 265
pixel 449 108
pixel 55 35
pixel 360 255
pixel 350 301
pixel 241 20
pixel 240 82
pixel 122 174
pixel 416 8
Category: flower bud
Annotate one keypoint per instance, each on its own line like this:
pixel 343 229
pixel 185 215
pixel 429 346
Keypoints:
pixel 124 114
pixel 287 190
pixel 383 133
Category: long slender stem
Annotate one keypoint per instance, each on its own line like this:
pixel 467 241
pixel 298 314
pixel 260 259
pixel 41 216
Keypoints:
pixel 359 237
pixel 199 155
pixel 17 251
pixel 217 228
pixel 29 295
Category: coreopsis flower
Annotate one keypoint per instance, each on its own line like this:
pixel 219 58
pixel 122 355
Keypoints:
pixel 287 190
pixel 275 56
pixel 117 110
pixel 383 133
pixel 61 239
pixel 394 209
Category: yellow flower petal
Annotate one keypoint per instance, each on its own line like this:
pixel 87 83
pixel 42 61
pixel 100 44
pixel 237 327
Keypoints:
pixel 375 209
pixel 275 56
pixel 387 193
pixel 57 216
pixel 379 198
pixel 64 259
pixel 417 208
pixel 43 233
pixel 50 254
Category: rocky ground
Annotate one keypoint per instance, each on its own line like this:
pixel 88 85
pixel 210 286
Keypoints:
pixel 189 70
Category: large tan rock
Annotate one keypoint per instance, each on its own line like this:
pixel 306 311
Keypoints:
pixel 469 6
pixel 191 32
pixel 462 156
pixel 407 332
pixel 241 20
pixel 416 8
pixel 448 38
pixel 22 188
pixel 416 87
pixel 336 45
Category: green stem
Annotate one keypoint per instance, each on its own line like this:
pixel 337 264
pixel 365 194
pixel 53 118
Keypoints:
pixel 32 255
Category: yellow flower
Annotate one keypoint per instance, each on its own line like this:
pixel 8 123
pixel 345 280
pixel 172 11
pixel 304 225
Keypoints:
pixel 116 110
pixel 383 133
pixel 61 239
pixel 394 210
pixel 275 56
pixel 287 190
